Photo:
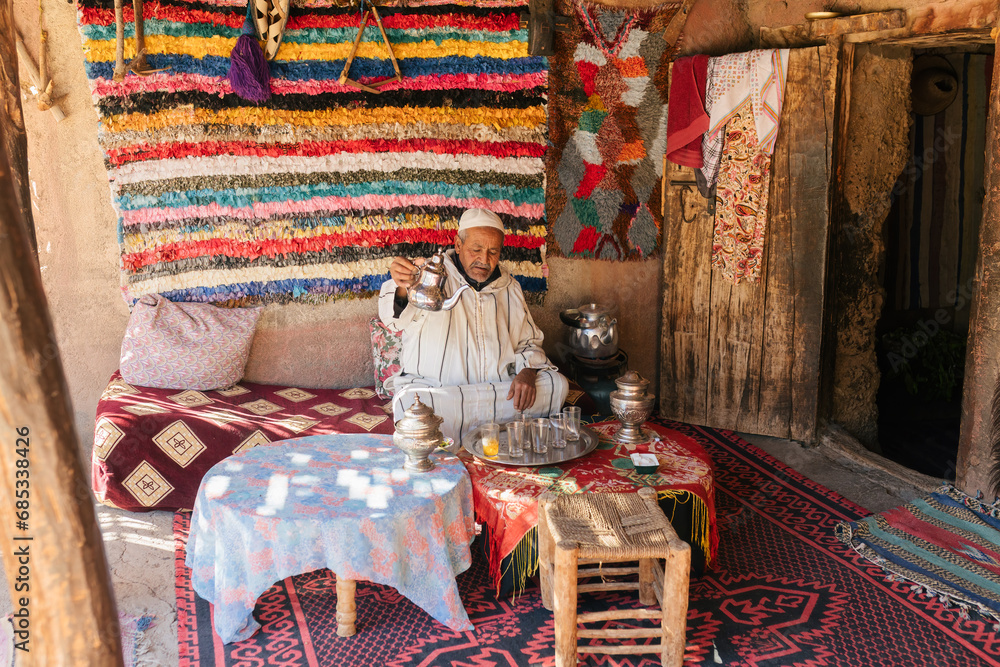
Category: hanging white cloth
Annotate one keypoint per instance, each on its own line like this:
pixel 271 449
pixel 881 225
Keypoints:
pixel 758 75
pixel 732 79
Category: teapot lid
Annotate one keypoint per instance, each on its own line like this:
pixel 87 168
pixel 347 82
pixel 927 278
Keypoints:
pixel 435 263
pixel 632 383
pixel 418 420
pixel 592 310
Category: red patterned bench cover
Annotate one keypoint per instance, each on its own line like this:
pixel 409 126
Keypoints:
pixel 153 446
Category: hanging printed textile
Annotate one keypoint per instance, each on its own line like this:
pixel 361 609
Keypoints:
pixel 309 195
pixel 608 127
pixel 744 98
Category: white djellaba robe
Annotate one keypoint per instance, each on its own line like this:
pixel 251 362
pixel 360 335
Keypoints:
pixel 461 361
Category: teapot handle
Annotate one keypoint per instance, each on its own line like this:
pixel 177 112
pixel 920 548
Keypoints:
pixel 571 317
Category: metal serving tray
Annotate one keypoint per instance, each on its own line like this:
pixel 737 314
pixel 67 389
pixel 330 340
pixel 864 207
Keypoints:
pixel 587 443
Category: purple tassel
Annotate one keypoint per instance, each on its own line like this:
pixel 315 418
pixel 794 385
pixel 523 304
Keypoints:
pixel 248 72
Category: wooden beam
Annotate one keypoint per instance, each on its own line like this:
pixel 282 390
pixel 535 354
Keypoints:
pixel 15 140
pixel 812 33
pixel 64 612
pixel 982 361
pixel 920 27
pixel 894 18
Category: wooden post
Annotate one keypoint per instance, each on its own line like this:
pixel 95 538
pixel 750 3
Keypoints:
pixel 354 49
pixel 982 362
pixel 119 72
pixel 346 610
pixel 52 549
pixel 564 599
pixel 15 140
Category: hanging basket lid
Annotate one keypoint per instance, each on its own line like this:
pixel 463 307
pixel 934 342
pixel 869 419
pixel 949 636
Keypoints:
pixel 933 86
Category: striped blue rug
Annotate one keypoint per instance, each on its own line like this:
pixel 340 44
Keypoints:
pixel 946 544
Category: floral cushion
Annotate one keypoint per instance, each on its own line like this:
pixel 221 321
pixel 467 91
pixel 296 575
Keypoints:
pixel 387 345
pixel 196 346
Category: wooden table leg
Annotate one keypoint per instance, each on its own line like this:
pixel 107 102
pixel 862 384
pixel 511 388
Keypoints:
pixel 346 614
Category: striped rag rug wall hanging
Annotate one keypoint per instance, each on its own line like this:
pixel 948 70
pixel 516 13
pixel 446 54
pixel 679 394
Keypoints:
pixel 308 196
pixel 608 127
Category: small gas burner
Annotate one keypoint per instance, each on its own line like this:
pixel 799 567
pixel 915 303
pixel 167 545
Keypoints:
pixel 597 376
pixel 600 362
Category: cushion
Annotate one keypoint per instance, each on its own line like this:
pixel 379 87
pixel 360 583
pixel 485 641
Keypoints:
pixel 153 446
pixel 196 346
pixel 387 345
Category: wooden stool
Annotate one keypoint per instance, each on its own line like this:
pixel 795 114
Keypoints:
pixel 590 528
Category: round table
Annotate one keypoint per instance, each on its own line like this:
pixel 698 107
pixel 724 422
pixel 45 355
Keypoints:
pixel 343 502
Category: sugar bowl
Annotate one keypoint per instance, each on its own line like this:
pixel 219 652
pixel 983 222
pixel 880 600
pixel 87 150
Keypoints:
pixel 632 406
pixel 418 434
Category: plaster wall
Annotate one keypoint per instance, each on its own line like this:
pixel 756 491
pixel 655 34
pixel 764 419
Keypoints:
pixel 876 153
pixel 311 346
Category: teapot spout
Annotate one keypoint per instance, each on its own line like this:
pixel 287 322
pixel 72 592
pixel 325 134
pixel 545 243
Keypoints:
pixel 450 302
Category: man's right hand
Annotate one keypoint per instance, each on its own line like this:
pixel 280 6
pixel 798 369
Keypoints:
pixel 404 273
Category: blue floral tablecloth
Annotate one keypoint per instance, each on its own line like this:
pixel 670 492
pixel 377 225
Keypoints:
pixel 343 502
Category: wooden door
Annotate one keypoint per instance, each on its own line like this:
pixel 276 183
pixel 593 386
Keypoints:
pixel 747 357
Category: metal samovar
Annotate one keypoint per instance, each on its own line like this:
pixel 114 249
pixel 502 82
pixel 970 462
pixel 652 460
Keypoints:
pixel 632 406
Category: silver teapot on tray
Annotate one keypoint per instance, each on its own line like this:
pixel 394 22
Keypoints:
pixel 427 291
pixel 593 331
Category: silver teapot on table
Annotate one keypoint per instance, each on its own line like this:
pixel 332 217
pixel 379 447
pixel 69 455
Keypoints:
pixel 593 331
pixel 427 291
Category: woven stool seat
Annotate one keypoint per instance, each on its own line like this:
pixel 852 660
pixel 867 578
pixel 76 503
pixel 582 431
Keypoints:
pixel 602 528
pixel 611 526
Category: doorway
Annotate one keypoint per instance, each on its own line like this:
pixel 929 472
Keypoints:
pixel 931 240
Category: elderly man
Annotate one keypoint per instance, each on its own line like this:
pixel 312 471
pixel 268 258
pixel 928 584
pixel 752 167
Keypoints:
pixel 481 361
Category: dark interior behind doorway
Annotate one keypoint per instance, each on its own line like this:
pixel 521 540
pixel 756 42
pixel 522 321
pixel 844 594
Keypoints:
pixel 931 246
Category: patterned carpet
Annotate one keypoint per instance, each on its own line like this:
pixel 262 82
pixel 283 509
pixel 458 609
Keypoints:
pixel 785 591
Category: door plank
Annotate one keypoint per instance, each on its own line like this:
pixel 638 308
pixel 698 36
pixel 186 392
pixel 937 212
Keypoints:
pixel 803 170
pixel 811 178
pixel 753 350
pixel 687 243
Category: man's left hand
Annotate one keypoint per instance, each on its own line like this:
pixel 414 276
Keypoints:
pixel 522 389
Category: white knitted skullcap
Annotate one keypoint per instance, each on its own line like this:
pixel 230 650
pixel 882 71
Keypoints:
pixel 480 217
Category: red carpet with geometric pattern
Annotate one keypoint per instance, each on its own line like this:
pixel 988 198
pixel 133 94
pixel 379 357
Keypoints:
pixel 784 591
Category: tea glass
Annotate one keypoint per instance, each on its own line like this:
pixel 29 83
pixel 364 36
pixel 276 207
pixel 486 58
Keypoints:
pixel 489 435
pixel 540 429
pixel 559 430
pixel 572 422
pixel 515 439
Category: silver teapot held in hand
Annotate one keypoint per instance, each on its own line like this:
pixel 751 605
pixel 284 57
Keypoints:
pixel 427 290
